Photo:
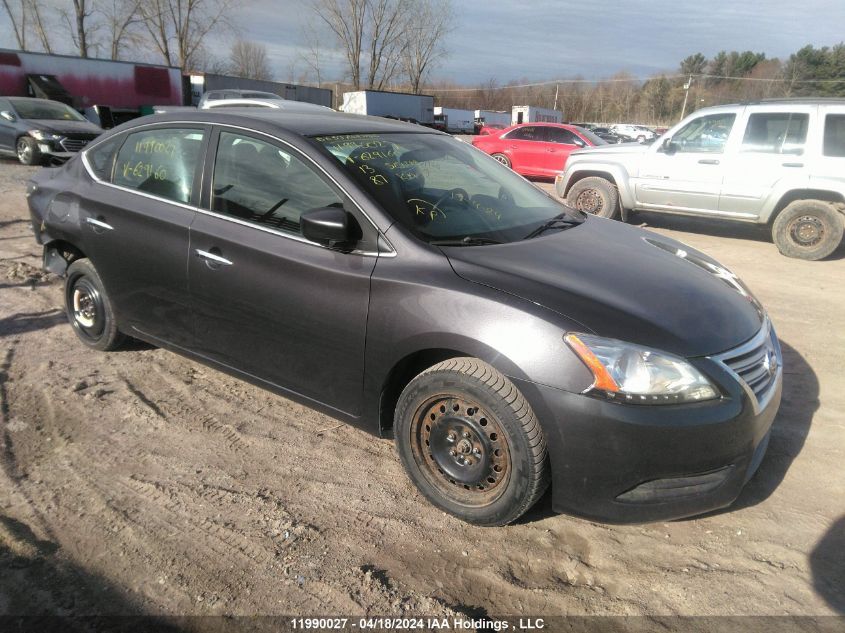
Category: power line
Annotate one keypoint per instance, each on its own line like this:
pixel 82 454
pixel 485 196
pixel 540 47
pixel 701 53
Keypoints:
pixel 552 82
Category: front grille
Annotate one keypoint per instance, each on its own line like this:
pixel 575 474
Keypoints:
pixel 756 364
pixel 74 144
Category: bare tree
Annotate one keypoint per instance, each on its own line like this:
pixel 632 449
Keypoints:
pixel 370 32
pixel 17 17
pixel 178 28
pixel 249 59
pixel 77 22
pixel 121 20
pixel 428 25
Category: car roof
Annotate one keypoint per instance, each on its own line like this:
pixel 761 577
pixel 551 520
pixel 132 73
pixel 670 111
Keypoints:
pixel 19 99
pixel 310 123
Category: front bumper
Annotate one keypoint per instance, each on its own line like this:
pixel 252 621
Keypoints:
pixel 621 463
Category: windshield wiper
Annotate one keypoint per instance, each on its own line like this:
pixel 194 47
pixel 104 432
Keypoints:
pixel 561 221
pixel 469 240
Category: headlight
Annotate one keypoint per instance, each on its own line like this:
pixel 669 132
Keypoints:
pixel 639 375
pixel 44 136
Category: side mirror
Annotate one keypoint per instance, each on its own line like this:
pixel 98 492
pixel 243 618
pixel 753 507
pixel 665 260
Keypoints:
pixel 333 226
pixel 668 146
pixel 8 116
pixel 579 142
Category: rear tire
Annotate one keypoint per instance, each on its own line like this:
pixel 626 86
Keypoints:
pixel 502 159
pixel 808 229
pixel 89 309
pixel 595 195
pixel 470 443
pixel 27 151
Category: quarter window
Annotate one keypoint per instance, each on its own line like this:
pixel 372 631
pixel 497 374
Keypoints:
pixel 776 133
pixel 161 162
pixel 101 157
pixel 834 135
pixel 706 134
pixel 263 184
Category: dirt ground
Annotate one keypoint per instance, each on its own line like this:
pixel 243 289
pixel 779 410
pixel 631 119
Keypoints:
pixel 141 482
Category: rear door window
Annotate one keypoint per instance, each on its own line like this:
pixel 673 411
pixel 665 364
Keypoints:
pixel 776 133
pixel 834 135
pixel 527 133
pixel 160 161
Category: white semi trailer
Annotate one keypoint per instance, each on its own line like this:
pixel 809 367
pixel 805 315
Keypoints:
pixel 492 118
pixel 395 105
pixel 533 114
pixel 454 120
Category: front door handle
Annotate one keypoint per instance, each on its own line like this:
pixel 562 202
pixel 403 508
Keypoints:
pixel 99 224
pixel 708 161
pixel 793 164
pixel 213 258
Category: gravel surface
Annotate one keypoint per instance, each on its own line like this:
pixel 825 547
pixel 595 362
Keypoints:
pixel 141 482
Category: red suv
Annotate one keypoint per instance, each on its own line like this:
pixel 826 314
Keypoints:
pixel 536 149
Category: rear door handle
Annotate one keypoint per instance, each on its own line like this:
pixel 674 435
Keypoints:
pixel 793 164
pixel 709 161
pixel 99 224
pixel 213 258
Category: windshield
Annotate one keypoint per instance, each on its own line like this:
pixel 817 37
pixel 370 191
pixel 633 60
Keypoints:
pixel 52 110
pixel 442 189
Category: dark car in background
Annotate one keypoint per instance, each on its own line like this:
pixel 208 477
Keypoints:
pixel 605 134
pixel 395 278
pixel 40 130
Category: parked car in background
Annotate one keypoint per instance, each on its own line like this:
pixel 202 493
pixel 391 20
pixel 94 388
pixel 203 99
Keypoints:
pixel 40 130
pixel 536 149
pixel 778 163
pixel 637 133
pixel 606 135
pixel 490 128
pixel 277 104
pixel 393 277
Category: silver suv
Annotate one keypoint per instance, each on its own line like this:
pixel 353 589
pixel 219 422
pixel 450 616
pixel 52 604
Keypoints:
pixel 779 163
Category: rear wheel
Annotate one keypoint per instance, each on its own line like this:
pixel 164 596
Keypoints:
pixel 27 151
pixel 469 441
pixel 89 309
pixel 808 229
pixel 594 195
pixel 502 159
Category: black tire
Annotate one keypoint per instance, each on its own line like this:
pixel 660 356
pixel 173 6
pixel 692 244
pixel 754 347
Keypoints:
pixel 595 195
pixel 808 229
pixel 27 151
pixel 469 441
pixel 502 159
pixel 89 309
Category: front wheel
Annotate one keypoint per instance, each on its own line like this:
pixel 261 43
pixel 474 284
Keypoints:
pixel 808 229
pixel 470 443
pixel 594 195
pixel 89 309
pixel 27 151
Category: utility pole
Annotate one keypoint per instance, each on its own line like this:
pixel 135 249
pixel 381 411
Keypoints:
pixel 686 96
pixel 557 89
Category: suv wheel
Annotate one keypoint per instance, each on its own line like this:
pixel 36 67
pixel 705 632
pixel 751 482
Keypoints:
pixel 469 441
pixel 594 195
pixel 89 309
pixel 808 229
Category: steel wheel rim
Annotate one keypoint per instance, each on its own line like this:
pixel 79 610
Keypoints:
pixel 461 449
pixel 24 151
pixel 589 201
pixel 806 231
pixel 87 308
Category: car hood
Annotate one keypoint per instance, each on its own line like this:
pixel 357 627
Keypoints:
pixel 60 126
pixel 622 282
pixel 620 148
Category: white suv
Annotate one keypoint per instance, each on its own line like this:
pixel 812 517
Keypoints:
pixel 779 163
pixel 637 133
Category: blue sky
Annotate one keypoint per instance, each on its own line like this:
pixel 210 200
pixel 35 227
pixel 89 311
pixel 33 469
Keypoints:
pixel 547 39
